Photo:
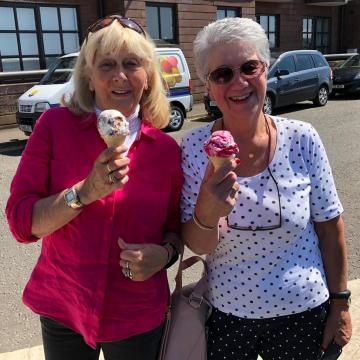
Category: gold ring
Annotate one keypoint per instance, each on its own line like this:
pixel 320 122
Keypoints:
pixel 128 273
pixel 108 168
pixel 233 192
pixel 112 178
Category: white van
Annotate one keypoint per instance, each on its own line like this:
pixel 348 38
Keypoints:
pixel 58 82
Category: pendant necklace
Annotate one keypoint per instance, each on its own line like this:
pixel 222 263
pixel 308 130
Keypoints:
pixel 251 155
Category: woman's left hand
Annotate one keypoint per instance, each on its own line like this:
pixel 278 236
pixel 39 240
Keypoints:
pixel 141 261
pixel 338 327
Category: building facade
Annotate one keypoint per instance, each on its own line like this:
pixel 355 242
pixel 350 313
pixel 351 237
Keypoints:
pixel 33 33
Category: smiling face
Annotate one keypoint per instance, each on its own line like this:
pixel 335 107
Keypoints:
pixel 118 81
pixel 239 98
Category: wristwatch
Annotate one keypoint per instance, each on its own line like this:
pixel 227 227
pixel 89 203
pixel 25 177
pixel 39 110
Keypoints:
pixel 72 199
pixel 341 298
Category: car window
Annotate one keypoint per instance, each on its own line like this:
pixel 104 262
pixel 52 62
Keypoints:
pixel 60 71
pixel 304 62
pixel 287 63
pixel 319 61
pixel 335 63
pixel 352 62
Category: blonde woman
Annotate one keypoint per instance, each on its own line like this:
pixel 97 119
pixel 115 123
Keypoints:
pixel 109 218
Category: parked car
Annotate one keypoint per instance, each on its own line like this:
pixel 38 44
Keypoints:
pixel 293 76
pixel 57 82
pixel 336 60
pixel 346 69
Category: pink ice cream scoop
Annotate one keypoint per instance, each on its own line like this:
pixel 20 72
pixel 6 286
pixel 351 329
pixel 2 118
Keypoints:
pixel 220 147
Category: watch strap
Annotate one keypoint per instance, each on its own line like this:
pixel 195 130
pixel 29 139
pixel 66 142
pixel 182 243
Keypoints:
pixel 341 302
pixel 175 256
pixel 344 295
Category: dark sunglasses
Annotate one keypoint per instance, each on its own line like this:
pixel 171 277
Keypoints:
pixel 224 74
pixel 254 227
pixel 108 20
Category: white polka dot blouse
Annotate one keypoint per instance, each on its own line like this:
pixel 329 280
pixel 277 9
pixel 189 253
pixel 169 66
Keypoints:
pixel 268 262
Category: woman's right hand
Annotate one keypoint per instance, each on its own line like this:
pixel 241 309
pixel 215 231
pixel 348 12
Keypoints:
pixel 218 193
pixel 109 173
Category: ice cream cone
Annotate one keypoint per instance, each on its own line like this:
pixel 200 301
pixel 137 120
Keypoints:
pixel 114 140
pixel 218 161
pixel 113 127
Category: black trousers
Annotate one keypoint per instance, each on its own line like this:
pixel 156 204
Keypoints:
pixel 292 337
pixel 61 343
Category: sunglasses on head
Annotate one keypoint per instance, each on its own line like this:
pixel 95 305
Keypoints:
pixel 108 20
pixel 249 70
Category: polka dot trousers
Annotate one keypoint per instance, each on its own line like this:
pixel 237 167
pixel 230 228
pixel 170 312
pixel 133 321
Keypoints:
pixel 292 337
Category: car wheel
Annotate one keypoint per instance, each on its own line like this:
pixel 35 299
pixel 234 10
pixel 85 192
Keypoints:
pixel 177 118
pixel 268 105
pixel 321 97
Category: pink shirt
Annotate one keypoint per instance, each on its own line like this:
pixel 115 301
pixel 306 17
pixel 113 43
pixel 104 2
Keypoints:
pixel 77 280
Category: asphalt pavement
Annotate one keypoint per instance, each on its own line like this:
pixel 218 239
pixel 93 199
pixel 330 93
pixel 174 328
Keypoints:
pixel 11 136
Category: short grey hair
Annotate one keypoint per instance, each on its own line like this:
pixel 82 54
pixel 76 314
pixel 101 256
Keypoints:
pixel 229 30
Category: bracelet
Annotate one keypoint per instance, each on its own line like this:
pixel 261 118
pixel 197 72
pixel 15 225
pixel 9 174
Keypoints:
pixel 200 225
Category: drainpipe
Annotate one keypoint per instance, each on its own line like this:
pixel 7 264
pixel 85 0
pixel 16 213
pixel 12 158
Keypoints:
pixel 101 8
pixel 121 8
pixel 341 30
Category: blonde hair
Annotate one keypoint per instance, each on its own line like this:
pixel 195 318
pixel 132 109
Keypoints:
pixel 112 40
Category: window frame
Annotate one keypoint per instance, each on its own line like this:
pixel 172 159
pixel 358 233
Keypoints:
pixel 41 55
pixel 314 32
pixel 173 8
pixel 238 11
pixel 268 32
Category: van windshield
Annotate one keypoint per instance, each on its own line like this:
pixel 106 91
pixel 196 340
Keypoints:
pixel 60 71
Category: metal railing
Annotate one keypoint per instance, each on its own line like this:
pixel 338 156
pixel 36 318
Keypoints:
pixel 14 77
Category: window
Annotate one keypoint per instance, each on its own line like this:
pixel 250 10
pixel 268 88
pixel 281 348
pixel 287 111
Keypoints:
pixel 270 23
pixel 160 22
pixel 224 12
pixel 32 36
pixel 287 64
pixel 316 34
pixel 319 61
pixel 308 33
pixel 304 62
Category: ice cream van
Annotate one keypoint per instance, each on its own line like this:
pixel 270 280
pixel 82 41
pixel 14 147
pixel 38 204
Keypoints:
pixel 58 82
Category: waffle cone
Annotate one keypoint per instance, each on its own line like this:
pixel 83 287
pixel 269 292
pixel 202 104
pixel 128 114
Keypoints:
pixel 218 161
pixel 114 140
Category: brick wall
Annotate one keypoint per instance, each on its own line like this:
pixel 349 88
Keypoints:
pixel 351 21
pixel 291 15
pixel 192 15
pixel 8 101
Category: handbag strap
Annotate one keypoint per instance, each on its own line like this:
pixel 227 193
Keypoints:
pixel 200 287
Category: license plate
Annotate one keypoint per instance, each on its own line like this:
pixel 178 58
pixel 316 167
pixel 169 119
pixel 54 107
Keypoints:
pixel 338 86
pixel 213 103
pixel 26 128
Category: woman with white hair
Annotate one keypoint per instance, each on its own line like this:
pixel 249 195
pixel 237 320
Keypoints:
pixel 269 220
pixel 109 218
